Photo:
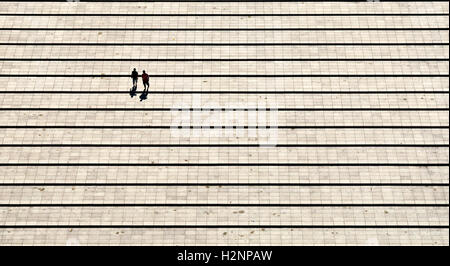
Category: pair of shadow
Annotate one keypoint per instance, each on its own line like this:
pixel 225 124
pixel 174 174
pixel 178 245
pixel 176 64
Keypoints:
pixel 143 95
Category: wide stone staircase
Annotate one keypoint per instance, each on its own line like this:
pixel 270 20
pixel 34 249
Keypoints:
pixel 266 123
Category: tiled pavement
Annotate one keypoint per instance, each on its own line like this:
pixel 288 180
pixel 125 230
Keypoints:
pixel 358 144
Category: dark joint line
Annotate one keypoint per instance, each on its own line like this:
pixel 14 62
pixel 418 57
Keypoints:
pixel 227 76
pixel 224 44
pixel 225 60
pixel 227 92
pixel 226 29
pixel 225 226
pixel 77 205
pixel 225 109
pixel 221 127
pixel 228 145
pixel 223 15
pixel 225 184
pixel 226 164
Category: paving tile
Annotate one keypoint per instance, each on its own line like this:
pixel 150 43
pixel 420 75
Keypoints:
pixel 237 237
pixel 223 195
pixel 224 216
pixel 232 174
pixel 348 37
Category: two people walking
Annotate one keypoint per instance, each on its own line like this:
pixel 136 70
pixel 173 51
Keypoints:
pixel 145 81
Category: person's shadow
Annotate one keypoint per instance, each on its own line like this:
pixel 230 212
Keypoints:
pixel 133 91
pixel 143 96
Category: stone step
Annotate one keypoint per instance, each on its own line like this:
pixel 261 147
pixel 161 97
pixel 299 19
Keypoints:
pixel 223 195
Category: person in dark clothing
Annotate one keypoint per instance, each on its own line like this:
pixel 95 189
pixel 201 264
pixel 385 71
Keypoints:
pixel 134 76
pixel 145 81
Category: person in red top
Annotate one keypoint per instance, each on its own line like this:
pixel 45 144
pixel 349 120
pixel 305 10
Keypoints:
pixel 145 80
